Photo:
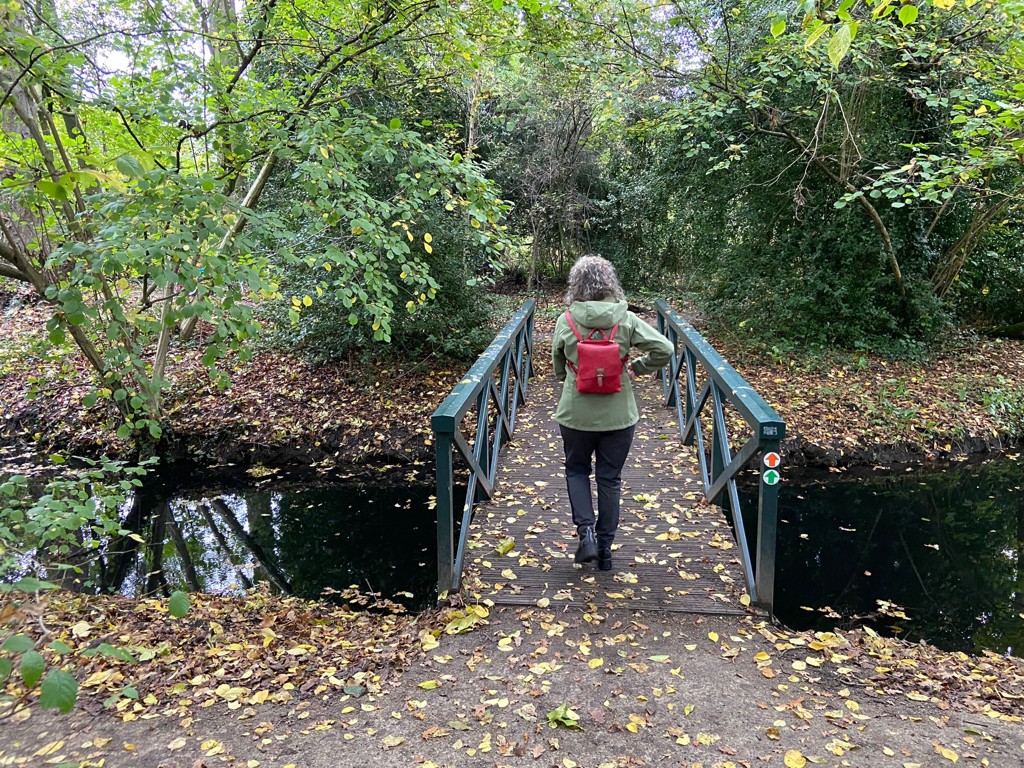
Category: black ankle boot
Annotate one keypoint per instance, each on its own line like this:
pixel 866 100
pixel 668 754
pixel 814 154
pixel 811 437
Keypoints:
pixel 604 559
pixel 586 552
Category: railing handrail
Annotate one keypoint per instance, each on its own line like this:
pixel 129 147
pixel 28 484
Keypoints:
pixel 725 385
pixel 512 353
pixel 456 405
pixel 754 409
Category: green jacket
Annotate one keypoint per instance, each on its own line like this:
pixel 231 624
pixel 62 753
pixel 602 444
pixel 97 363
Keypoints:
pixel 603 413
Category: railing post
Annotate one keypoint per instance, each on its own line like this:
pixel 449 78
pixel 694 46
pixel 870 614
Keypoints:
pixel 661 329
pixel 719 447
pixel 445 513
pixel 689 370
pixel 767 523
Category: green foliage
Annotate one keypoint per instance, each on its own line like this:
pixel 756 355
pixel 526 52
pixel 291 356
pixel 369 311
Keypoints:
pixel 55 527
pixel 563 716
pixel 178 605
pixel 1005 401
pixel 990 289
pixel 19 651
pixel 815 202
pixel 455 325
pixel 387 216
pixel 135 206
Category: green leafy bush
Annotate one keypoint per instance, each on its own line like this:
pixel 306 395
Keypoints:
pixel 56 527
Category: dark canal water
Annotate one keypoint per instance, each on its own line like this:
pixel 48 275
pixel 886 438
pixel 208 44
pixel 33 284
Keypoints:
pixel 944 548
pixel 301 541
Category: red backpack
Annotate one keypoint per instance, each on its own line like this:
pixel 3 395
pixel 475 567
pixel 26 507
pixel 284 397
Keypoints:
pixel 599 370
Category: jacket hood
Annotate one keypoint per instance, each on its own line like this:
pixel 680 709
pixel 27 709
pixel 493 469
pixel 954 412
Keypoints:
pixel 599 314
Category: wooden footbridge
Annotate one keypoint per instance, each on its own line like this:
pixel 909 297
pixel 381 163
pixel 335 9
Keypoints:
pixel 677 547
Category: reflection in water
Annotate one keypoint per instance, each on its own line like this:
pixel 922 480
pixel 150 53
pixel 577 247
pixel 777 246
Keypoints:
pixel 302 542
pixel 946 547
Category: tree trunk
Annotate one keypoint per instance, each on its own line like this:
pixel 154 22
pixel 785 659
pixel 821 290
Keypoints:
pixel 948 269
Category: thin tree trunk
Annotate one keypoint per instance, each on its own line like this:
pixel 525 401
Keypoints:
pixel 946 271
pixel 181 546
pixel 154 577
pixel 276 576
pixel 225 547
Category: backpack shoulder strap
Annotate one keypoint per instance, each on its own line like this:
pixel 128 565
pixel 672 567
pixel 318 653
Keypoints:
pixel 572 324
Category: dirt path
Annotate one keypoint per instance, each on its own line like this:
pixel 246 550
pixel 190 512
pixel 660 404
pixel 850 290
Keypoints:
pixel 643 689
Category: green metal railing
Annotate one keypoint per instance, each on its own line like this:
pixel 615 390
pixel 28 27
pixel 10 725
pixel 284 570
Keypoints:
pixel 496 385
pixel 707 378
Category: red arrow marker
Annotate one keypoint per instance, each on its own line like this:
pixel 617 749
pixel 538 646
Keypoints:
pixel 772 460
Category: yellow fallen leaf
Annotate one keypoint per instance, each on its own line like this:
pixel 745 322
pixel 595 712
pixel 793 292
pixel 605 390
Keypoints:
pixel 713 637
pixel 794 759
pixel 946 752
pixel 744 599
pixel 391 741
pixel 178 743
pixel 49 749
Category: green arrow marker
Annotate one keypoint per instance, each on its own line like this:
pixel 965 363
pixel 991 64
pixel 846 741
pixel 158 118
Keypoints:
pixel 771 477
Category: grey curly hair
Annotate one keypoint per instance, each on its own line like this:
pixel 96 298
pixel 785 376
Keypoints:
pixel 593 278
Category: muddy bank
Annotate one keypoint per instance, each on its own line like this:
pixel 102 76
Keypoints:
pixel 281 411
pixel 802 453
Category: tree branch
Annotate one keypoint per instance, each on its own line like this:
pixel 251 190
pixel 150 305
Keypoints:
pixel 257 46
pixel 7 270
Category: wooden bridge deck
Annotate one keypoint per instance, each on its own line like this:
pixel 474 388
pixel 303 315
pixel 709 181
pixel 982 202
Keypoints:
pixel 673 551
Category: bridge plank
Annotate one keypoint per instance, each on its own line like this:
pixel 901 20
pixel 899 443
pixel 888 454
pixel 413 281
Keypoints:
pixel 673 552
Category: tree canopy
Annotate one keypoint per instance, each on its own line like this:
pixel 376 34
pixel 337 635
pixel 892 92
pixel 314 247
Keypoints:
pixel 348 173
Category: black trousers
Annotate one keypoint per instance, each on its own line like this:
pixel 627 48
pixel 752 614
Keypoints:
pixel 611 449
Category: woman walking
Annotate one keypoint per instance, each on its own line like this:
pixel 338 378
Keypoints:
pixel 597 413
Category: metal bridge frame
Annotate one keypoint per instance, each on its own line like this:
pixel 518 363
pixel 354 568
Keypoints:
pixel 723 385
pixel 497 383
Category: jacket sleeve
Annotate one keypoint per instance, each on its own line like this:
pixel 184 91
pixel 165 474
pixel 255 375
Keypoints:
pixel 558 348
pixel 657 350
